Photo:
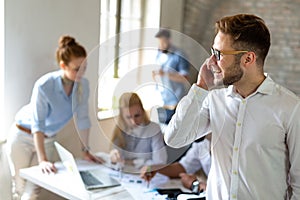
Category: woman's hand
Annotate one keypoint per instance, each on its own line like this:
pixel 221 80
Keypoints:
pixel 146 173
pixel 115 156
pixel 47 167
pixel 89 157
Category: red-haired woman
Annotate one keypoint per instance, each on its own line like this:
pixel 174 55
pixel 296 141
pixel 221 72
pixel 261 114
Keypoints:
pixel 56 98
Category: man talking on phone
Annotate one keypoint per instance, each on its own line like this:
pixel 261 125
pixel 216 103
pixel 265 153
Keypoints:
pixel 254 121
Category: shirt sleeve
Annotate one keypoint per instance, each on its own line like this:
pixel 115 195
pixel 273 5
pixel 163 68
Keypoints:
pixel 191 162
pixel 191 119
pixel 82 111
pixel 293 141
pixel 40 109
pixel 184 67
pixel 159 152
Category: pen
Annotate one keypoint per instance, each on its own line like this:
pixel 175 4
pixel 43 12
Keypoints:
pixel 148 174
pixel 120 169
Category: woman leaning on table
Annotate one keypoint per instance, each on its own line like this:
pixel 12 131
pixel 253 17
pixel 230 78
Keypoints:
pixel 56 97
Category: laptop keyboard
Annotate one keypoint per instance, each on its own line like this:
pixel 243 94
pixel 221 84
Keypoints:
pixel 89 179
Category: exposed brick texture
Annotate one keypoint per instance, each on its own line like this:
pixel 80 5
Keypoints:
pixel 282 18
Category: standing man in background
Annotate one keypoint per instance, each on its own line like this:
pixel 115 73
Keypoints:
pixel 174 74
pixel 254 122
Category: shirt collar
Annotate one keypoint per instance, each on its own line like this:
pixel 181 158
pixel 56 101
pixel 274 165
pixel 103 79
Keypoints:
pixel 59 86
pixel 266 87
pixel 170 50
pixel 230 91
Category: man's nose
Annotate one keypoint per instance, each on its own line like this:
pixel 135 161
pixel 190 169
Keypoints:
pixel 212 59
pixel 212 62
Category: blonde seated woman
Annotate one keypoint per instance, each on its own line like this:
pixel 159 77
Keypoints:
pixel 136 140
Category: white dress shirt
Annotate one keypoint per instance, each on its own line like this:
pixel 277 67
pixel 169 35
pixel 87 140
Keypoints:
pixel 197 157
pixel 255 140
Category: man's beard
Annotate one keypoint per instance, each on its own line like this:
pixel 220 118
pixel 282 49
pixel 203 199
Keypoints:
pixel 164 50
pixel 233 74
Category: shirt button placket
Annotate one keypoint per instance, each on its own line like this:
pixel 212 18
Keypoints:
pixel 235 156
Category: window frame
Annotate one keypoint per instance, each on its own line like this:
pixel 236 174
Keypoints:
pixel 106 112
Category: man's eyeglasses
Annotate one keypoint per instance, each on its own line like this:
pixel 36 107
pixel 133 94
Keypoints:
pixel 218 53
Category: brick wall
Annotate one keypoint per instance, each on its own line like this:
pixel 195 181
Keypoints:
pixel 282 18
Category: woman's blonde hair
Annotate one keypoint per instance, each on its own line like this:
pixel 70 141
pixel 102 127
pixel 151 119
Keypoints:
pixel 126 100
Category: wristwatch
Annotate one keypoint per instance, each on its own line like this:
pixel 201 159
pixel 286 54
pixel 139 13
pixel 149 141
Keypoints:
pixel 195 186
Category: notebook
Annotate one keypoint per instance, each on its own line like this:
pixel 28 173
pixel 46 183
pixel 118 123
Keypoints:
pixel 91 179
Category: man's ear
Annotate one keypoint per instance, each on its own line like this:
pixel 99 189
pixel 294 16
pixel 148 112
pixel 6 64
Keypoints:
pixel 249 58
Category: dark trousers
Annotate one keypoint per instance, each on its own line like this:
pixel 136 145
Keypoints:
pixel 165 115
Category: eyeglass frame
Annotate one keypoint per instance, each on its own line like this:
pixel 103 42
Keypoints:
pixel 217 53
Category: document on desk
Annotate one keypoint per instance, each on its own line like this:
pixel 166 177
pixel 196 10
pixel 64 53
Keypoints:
pixel 133 184
pixel 102 193
pixel 137 187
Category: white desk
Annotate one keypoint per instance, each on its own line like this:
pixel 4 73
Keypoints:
pixel 62 183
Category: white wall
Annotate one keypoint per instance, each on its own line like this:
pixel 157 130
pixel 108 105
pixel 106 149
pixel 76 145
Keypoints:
pixel 1 64
pixel 32 29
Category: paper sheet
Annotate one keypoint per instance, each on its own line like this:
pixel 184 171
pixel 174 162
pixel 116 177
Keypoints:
pixel 191 196
pixel 138 188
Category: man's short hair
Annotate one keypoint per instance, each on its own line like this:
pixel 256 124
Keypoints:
pixel 163 33
pixel 248 32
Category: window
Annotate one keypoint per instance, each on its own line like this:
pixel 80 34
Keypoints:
pixel 123 21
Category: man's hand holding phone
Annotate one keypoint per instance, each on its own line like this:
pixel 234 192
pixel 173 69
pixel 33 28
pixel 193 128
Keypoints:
pixel 206 79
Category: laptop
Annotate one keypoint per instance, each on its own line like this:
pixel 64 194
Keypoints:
pixel 91 179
